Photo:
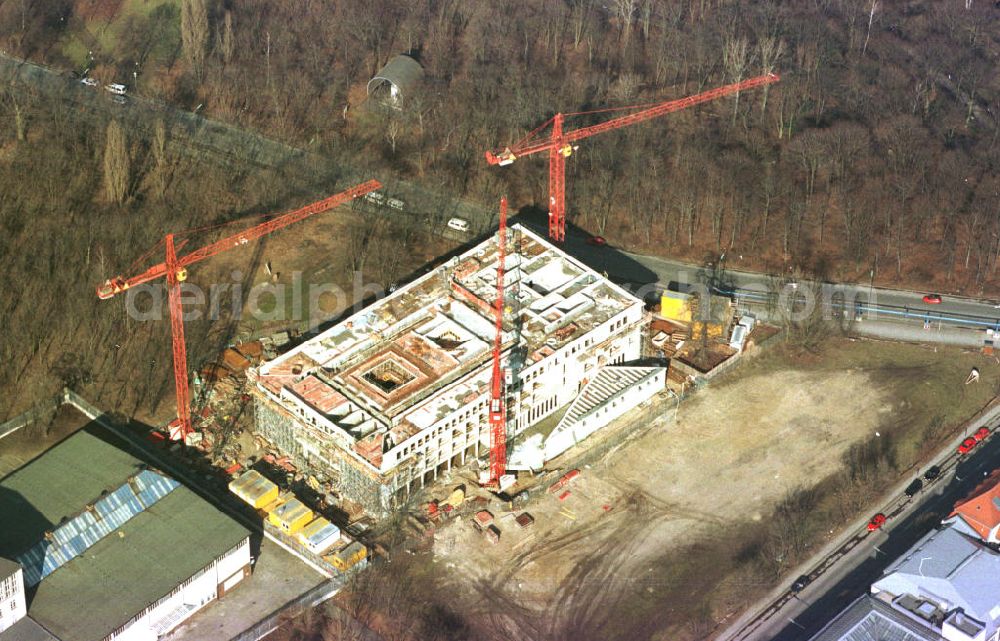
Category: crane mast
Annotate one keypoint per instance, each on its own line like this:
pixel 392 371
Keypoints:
pixel 498 406
pixel 559 143
pixel 174 268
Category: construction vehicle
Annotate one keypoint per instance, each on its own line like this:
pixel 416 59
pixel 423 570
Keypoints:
pixel 560 144
pixel 436 508
pixel 174 268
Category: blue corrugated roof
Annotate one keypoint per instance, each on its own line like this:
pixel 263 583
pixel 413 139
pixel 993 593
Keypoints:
pixel 74 536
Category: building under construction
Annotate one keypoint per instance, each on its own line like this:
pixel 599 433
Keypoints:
pixel 399 392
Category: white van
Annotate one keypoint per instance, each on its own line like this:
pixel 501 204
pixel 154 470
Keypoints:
pixel 459 224
pixel 118 90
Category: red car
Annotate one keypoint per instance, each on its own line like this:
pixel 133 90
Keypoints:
pixel 597 241
pixel 877 522
pixel 967 445
pixel 981 434
pixel 932 299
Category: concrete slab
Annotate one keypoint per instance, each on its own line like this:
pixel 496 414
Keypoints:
pixel 277 579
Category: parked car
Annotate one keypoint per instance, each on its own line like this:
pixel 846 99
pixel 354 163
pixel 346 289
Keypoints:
pixel 89 82
pixel 932 473
pixel 877 522
pixel 932 299
pixel 458 224
pixel 914 487
pixel 800 583
pixel 115 88
pixel 597 241
pixel 967 445
pixel 981 434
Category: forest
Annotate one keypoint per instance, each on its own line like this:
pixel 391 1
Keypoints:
pixel 874 157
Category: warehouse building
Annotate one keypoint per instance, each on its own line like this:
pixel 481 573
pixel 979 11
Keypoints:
pixel 397 393
pixel 108 549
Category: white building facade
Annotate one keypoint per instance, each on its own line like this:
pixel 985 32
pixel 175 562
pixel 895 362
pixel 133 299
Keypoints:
pixel 211 583
pixel 12 602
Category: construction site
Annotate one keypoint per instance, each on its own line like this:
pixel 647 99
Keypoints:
pixel 399 393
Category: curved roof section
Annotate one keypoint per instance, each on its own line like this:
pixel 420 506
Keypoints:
pixel 401 71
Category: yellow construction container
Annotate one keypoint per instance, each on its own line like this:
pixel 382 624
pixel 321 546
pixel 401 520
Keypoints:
pixel 290 516
pixel 347 558
pixel 675 306
pixel 253 488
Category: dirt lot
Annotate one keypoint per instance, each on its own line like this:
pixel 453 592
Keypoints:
pixel 651 542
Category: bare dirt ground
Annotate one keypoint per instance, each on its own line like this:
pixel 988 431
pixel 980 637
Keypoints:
pixel 651 531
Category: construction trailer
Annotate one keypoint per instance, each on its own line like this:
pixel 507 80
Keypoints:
pixel 348 557
pixel 254 489
pixel 399 392
pixel 319 536
pixel 289 514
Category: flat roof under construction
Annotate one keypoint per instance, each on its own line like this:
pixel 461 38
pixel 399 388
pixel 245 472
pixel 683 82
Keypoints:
pixel 383 367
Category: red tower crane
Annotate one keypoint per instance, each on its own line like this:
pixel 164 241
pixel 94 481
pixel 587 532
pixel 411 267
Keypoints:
pixel 559 143
pixel 498 405
pixel 175 270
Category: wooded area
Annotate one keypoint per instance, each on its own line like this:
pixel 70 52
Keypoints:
pixel 876 155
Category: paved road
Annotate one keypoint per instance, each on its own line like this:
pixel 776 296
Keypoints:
pixel 847 577
pixel 651 274
pixel 432 208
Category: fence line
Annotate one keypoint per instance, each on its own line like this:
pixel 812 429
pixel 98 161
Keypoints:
pixel 317 595
pixel 40 411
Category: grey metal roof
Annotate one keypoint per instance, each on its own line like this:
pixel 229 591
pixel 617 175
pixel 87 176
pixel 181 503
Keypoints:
pixel 870 619
pixel 108 512
pixel 26 630
pixel 58 484
pixel 91 594
pixel 401 71
pixel 947 566
pixel 8 568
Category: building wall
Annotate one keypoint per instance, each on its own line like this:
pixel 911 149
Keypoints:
pixel 557 443
pixel 309 448
pixel 276 427
pixel 12 603
pixel 187 598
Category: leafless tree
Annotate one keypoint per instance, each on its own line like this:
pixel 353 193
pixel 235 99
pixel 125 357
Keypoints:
pixel 161 163
pixel 625 10
pixel 736 58
pixel 117 164
pixel 770 50
pixel 194 33
pixel 226 38
pixel 871 19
